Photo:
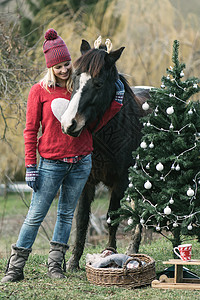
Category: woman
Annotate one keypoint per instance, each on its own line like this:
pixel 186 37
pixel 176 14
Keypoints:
pixel 65 161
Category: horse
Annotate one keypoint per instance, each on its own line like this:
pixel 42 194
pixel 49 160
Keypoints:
pixel 94 80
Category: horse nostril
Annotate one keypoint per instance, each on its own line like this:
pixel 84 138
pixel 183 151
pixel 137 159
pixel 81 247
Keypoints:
pixel 73 126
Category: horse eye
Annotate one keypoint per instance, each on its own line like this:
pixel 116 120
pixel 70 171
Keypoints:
pixel 98 84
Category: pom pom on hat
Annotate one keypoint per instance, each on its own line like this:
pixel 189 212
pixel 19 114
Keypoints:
pixel 51 34
pixel 55 49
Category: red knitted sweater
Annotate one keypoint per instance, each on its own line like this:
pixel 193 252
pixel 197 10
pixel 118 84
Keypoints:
pixel 53 143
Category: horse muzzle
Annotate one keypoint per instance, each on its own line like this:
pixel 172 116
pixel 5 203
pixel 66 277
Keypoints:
pixel 71 130
pixel 74 133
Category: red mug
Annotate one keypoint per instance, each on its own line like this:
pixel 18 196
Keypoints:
pixel 185 251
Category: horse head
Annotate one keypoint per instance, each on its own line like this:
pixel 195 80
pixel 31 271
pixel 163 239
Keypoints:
pixel 94 79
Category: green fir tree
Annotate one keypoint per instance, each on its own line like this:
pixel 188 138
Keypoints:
pixel 164 188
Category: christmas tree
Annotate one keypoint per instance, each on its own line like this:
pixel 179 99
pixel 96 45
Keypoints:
pixel 164 183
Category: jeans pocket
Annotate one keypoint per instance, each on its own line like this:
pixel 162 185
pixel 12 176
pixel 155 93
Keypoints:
pixel 86 159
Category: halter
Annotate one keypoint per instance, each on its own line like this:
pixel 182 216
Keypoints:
pixel 108 44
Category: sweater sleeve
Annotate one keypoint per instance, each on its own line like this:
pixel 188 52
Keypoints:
pixel 33 118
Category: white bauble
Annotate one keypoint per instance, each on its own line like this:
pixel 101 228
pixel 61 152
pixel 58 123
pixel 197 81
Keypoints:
pixel 162 85
pixel 190 192
pixel 171 201
pixel 158 228
pixel 143 145
pixel 167 210
pixel 130 221
pixel 159 167
pixel 182 74
pixel 148 124
pixel 142 221
pixel 145 106
pixel 151 145
pixel 177 168
pixel 170 110
pixel 175 225
pixel 108 220
pixel 189 227
pixel 190 112
pixel 148 166
pixel 130 185
pixel 147 185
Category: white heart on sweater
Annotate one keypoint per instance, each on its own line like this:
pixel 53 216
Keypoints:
pixel 59 106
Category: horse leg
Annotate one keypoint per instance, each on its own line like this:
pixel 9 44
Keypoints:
pixel 134 244
pixel 116 195
pixel 82 220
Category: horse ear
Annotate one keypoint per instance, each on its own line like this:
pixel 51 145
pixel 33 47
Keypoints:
pixel 113 56
pixel 85 46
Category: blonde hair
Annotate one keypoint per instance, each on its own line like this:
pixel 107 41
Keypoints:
pixel 49 80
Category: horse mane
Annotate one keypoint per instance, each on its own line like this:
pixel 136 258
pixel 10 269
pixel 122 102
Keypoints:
pixel 91 62
pixel 139 100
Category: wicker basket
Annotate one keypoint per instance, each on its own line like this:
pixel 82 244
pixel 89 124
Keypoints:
pixel 124 277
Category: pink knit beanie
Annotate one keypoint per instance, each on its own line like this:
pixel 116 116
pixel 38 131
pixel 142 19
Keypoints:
pixel 55 49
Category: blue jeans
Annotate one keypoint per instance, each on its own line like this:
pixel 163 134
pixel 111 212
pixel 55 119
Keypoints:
pixel 54 174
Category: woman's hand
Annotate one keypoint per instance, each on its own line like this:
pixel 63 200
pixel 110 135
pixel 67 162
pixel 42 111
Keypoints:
pixel 119 91
pixel 31 177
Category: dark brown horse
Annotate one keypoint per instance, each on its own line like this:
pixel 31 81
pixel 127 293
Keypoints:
pixel 94 89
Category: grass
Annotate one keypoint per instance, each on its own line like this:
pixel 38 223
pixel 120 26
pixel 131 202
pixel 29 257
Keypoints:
pixel 37 285
pixel 13 204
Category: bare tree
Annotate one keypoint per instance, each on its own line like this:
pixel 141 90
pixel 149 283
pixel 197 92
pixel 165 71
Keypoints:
pixel 17 74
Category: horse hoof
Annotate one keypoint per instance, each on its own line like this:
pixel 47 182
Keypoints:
pixel 72 265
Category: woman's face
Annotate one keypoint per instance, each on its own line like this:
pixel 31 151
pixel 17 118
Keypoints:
pixel 62 71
